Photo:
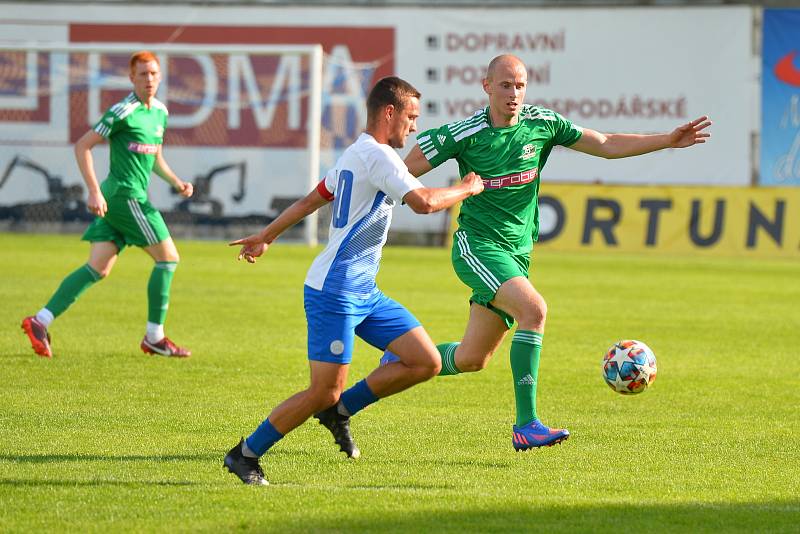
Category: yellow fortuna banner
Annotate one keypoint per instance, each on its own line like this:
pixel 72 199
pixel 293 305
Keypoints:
pixel 741 221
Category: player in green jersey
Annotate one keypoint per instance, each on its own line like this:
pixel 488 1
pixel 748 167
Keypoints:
pixel 508 144
pixel 134 128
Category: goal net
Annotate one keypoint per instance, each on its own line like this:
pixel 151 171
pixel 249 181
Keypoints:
pixel 245 126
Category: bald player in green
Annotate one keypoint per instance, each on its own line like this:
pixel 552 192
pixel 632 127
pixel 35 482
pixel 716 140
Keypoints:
pixel 507 144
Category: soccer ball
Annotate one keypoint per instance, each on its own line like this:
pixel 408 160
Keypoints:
pixel 629 367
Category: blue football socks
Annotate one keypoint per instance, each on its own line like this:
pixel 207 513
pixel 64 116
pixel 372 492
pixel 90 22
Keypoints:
pixel 358 397
pixel 263 438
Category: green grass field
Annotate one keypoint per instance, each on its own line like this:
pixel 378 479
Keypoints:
pixel 103 438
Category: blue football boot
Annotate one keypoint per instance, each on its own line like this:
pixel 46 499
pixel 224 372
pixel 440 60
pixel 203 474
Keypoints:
pixel 535 434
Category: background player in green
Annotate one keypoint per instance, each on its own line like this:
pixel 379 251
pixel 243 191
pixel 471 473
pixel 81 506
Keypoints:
pixel 507 144
pixel 134 128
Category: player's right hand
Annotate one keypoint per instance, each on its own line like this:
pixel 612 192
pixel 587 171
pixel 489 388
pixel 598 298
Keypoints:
pixel 97 204
pixel 252 247
pixel 474 181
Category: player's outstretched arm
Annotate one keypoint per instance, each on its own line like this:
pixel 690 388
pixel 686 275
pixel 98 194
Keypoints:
pixel 432 199
pixel 416 162
pixel 96 202
pixel 164 171
pixel 255 245
pixel 612 146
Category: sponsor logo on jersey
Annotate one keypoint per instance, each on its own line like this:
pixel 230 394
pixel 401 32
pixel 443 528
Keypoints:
pixel 511 179
pixel 528 151
pixel 142 148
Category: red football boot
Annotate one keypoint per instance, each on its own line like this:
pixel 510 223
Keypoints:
pixel 37 333
pixel 165 347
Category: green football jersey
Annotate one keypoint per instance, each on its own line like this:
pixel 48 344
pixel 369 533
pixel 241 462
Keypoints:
pixel 135 134
pixel 510 161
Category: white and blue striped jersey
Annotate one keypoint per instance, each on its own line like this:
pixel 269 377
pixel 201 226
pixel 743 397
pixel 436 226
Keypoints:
pixel 366 182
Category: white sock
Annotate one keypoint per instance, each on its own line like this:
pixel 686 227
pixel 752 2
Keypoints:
pixel 247 452
pixel 155 332
pixel 342 409
pixel 45 317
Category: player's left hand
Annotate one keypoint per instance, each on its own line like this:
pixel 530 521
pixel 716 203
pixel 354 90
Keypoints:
pixel 690 133
pixel 252 247
pixel 185 189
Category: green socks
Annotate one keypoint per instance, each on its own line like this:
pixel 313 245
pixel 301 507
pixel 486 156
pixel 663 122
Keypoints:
pixel 79 281
pixel 526 347
pixel 71 288
pixel 158 291
pixel 448 352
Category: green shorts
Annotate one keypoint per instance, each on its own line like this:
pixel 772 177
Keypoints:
pixel 128 222
pixel 484 266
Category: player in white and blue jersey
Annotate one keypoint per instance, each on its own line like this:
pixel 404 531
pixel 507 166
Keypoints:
pixel 341 298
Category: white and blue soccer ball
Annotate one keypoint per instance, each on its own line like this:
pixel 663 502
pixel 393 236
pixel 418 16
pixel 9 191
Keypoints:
pixel 629 367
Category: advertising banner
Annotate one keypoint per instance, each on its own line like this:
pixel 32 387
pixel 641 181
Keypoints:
pixel 611 70
pixel 780 98
pixel 734 221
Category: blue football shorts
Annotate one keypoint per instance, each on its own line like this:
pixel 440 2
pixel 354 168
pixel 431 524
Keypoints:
pixel 334 321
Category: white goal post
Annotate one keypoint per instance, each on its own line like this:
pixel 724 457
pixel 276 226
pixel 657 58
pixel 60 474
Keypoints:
pixel 248 116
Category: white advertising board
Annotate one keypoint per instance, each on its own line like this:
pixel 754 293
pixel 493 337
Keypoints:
pixel 612 70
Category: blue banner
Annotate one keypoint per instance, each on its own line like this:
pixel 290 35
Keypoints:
pixel 780 98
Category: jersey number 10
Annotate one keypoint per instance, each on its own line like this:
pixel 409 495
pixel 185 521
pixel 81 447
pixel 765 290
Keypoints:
pixel 341 203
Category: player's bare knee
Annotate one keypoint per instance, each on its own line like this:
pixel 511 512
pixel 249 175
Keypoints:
pixel 322 397
pixel 422 371
pixel 431 365
pixel 473 365
pixel 533 317
pixel 429 369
